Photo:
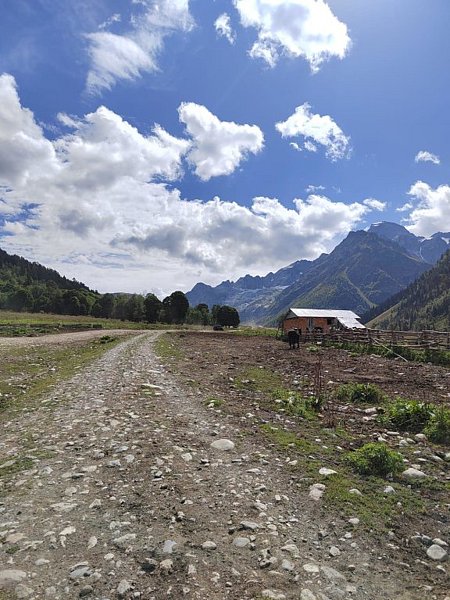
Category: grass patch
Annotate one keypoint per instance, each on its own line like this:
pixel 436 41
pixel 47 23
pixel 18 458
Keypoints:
pixel 28 373
pixel 374 508
pixel 364 393
pixel 270 383
pixel 287 439
pixel 166 347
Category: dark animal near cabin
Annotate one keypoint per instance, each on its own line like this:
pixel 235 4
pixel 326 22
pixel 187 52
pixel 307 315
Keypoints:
pixel 293 338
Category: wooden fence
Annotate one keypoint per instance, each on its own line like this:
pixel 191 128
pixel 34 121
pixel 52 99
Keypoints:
pixel 431 340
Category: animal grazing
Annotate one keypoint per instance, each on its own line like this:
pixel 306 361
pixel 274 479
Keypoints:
pixel 293 338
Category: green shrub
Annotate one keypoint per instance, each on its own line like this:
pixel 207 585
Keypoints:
pixel 438 427
pixel 293 403
pixel 408 415
pixel 375 459
pixel 360 392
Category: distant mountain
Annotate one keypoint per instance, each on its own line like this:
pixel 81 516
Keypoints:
pixel 424 304
pixel 250 294
pixel 364 270
pixel 428 249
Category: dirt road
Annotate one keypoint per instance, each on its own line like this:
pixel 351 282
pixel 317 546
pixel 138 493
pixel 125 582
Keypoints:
pixel 123 495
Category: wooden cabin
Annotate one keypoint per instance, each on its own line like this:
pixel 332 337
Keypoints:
pixel 308 320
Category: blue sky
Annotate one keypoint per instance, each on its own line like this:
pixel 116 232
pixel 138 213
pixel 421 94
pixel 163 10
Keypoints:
pixel 145 146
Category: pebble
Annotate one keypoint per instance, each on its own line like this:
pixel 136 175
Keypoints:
pixel 166 565
pixel 273 595
pixel 87 590
pixel 307 595
pixel 414 474
pixel 124 540
pixel 316 491
pixel 223 444
pixel 251 525
pixel 332 574
pixel 327 472
pixel 334 551
pixel 355 491
pixel 311 568
pixel 10 577
pixel 241 542
pixel 23 591
pixel 436 552
pixel 209 545
pixel 123 587
pixel 169 546
pixel 287 565
pixel 354 521
pixel 389 490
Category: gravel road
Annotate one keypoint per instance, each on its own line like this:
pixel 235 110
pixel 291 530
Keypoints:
pixel 133 488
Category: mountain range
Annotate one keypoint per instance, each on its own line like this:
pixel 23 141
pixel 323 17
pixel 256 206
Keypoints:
pixel 364 270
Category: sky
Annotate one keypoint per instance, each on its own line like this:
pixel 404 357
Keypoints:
pixel 147 145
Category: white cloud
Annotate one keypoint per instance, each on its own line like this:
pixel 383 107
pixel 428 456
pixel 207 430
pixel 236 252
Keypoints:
pixel 432 212
pixel 316 129
pixel 406 207
pixel 218 146
pixel 116 57
pixel 424 156
pixel 224 236
pixel 223 27
pixel 115 18
pixel 311 189
pixel 295 146
pixel 297 28
pixel 102 214
pixel 375 204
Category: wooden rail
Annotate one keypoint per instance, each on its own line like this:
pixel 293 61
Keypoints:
pixel 431 340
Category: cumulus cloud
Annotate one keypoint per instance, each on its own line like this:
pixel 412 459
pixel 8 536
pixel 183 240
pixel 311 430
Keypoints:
pixel 116 57
pixel 432 210
pixel 424 156
pixel 94 204
pixel 222 235
pixel 218 147
pixel 316 130
pixel 223 27
pixel 296 28
pixel 375 204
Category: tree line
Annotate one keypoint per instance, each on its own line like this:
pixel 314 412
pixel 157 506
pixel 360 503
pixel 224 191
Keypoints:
pixel 29 286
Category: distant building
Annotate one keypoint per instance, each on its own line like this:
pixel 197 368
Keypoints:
pixel 308 320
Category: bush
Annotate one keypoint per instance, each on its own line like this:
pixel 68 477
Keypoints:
pixel 375 459
pixel 360 392
pixel 408 415
pixel 438 427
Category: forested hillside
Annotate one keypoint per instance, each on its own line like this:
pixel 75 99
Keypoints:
pixel 424 304
pixel 26 285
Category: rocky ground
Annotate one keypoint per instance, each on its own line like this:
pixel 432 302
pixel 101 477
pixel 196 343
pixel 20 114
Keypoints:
pixel 176 476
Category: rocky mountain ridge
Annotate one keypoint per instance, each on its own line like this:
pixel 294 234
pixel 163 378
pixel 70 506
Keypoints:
pixel 364 270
